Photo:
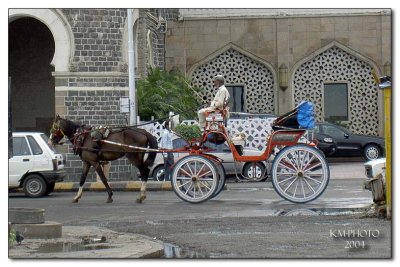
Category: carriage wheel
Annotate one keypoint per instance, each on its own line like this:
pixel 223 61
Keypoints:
pixel 194 179
pixel 300 173
pixel 222 178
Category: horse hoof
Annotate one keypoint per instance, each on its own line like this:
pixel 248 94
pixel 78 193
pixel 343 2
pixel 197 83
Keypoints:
pixel 110 200
pixel 140 200
pixel 75 201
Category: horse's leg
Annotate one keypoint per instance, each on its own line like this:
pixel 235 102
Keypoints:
pixel 144 172
pixel 85 171
pixel 103 178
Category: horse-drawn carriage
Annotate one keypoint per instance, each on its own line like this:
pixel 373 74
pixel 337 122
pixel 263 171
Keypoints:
pixel 299 170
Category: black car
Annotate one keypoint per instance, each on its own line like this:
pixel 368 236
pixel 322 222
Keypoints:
pixel 349 144
pixel 325 143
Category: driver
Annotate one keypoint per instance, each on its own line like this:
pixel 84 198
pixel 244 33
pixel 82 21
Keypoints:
pixel 220 99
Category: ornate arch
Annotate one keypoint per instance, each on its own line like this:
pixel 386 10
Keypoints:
pixel 59 27
pixel 239 67
pixel 337 63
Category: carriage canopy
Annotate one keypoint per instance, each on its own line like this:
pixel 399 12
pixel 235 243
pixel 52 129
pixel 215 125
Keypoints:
pixel 301 117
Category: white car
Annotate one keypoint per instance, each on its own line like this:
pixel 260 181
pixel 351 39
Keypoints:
pixel 372 169
pixel 34 166
pixel 223 152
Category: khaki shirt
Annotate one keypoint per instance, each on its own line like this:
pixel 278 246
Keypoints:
pixel 219 99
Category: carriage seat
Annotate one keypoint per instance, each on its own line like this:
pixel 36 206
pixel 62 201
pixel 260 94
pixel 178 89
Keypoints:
pixel 216 115
pixel 215 120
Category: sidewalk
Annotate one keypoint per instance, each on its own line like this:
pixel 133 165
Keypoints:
pixel 72 245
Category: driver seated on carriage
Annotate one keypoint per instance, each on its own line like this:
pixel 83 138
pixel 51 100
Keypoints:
pixel 219 106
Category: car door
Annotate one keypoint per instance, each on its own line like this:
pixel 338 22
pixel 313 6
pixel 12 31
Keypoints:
pixel 223 152
pixel 345 141
pixel 41 160
pixel 21 162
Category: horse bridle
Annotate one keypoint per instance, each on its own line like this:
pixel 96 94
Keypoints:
pixel 56 133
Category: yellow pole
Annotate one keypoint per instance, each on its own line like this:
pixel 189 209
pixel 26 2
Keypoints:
pixel 387 95
pixel 388 147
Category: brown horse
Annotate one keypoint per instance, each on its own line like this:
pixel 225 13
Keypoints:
pixel 92 152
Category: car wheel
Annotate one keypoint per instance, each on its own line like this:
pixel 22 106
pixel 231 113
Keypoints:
pixel 254 172
pixel 371 152
pixel 158 173
pixel 34 186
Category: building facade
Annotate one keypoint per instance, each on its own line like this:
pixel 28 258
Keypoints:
pixel 273 59
pixel 74 62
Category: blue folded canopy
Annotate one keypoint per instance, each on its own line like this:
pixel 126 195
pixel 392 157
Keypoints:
pixel 305 115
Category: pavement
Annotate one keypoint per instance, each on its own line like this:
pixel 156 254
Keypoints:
pixel 88 242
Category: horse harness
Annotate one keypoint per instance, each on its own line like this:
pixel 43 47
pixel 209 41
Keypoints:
pixel 98 135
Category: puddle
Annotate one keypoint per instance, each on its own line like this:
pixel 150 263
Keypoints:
pixel 301 212
pixel 68 247
pixel 319 212
pixel 175 252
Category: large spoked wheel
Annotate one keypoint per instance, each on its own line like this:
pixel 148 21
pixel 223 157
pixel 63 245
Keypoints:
pixel 222 178
pixel 300 173
pixel 195 179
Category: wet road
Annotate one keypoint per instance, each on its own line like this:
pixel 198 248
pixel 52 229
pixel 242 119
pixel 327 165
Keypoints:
pixel 246 220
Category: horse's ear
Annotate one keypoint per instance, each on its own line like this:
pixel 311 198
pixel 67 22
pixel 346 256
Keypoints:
pixel 57 117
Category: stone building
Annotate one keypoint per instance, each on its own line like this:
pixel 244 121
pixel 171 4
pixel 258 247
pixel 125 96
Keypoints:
pixel 73 62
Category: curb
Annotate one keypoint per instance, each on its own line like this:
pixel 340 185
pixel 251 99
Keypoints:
pixel 118 245
pixel 115 186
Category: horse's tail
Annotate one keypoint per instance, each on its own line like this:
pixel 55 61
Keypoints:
pixel 154 145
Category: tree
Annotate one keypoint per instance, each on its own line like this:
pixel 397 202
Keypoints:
pixel 161 92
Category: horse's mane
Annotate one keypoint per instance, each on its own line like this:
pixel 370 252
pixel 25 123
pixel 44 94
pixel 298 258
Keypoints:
pixel 70 125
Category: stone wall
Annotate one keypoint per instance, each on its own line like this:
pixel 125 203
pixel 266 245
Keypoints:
pixel 98 38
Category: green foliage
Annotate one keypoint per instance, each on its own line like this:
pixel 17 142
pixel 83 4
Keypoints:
pixel 11 238
pixel 162 92
pixel 188 132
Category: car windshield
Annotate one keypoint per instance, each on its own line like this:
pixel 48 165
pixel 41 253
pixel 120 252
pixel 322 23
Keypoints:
pixel 343 129
pixel 46 139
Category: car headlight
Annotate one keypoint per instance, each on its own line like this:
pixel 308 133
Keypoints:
pixel 328 140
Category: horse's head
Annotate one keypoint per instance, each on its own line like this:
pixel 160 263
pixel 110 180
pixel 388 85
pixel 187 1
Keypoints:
pixel 56 131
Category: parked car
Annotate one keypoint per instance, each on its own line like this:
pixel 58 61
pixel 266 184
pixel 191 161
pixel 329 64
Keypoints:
pixel 349 144
pixel 34 166
pixel 325 143
pixel 375 170
pixel 375 167
pixel 222 151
